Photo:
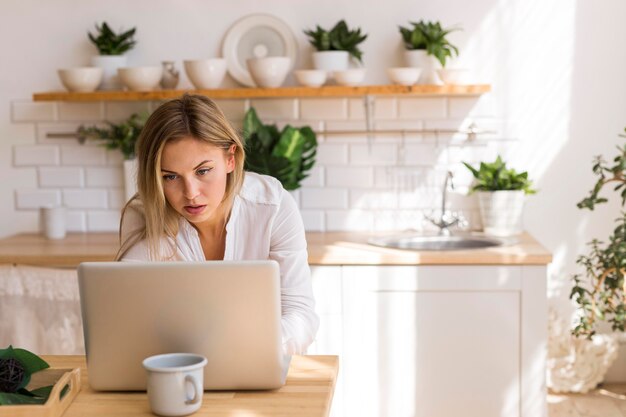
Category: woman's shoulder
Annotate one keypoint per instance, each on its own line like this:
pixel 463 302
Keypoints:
pixel 261 189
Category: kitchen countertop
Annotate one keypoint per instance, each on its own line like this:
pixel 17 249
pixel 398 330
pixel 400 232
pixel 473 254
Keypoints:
pixel 329 248
pixel 308 392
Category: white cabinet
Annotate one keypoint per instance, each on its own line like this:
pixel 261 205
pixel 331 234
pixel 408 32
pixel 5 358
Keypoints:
pixel 430 341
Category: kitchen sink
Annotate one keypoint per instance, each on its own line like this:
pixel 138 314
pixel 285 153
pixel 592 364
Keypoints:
pixel 453 242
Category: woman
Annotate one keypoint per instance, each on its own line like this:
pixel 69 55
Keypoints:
pixel 194 203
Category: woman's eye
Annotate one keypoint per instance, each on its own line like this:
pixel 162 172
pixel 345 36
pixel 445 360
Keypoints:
pixel 203 171
pixel 169 177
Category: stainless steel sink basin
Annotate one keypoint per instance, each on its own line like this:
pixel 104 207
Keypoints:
pixel 459 242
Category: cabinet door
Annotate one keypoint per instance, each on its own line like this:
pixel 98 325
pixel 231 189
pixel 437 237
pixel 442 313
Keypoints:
pixel 429 353
pixel 329 340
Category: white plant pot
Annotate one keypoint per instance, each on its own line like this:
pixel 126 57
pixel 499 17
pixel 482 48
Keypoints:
pixel 130 178
pixel 109 65
pixel 330 61
pixel 501 212
pixel 418 58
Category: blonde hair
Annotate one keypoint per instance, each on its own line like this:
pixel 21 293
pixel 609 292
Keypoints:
pixel 188 116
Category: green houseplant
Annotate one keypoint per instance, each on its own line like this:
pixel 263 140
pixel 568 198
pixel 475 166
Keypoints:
pixel 600 294
pixel 288 154
pixel 427 48
pixel 501 193
pixel 122 136
pixel 429 37
pixel 335 46
pixel 111 48
pixel 110 43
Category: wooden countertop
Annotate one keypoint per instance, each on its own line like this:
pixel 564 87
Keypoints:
pixel 331 248
pixel 308 392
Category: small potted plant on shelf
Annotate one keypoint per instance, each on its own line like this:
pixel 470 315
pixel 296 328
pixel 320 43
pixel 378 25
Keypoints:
pixel 122 136
pixel 334 47
pixel 111 47
pixel 427 48
pixel 501 193
pixel 286 155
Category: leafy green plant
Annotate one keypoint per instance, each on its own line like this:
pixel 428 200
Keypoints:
pixel 496 176
pixel 287 155
pixel 122 136
pixel 339 38
pixel 16 368
pixel 431 37
pixel 601 293
pixel 110 43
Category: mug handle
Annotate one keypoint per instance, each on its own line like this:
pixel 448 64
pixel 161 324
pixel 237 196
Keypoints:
pixel 197 390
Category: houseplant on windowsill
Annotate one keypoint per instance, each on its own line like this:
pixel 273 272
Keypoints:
pixel 122 136
pixel 334 47
pixel 287 155
pixel 111 47
pixel 501 193
pixel 427 48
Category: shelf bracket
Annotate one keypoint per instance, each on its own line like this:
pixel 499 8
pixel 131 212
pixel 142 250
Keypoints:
pixel 368 103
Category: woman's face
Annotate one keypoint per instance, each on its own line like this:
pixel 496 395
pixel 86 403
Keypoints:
pixel 194 178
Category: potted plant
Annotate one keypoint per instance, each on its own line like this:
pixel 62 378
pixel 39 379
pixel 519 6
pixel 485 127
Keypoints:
pixel 427 48
pixel 501 194
pixel 334 47
pixel 600 294
pixel 122 136
pixel 111 47
pixel 287 155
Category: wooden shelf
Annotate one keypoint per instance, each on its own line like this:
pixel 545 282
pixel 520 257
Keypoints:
pixel 281 92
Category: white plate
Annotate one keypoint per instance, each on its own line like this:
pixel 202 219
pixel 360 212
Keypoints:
pixel 256 36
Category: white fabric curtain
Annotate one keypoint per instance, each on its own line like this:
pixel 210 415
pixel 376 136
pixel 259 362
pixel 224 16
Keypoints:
pixel 40 310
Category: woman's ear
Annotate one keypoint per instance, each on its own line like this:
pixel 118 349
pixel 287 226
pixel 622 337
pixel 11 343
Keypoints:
pixel 230 158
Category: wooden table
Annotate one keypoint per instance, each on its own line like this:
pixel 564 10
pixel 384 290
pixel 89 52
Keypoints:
pixel 308 392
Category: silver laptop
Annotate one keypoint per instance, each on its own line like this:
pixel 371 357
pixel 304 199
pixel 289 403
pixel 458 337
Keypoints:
pixel 228 311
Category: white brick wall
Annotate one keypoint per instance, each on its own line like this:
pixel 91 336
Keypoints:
pixel 387 182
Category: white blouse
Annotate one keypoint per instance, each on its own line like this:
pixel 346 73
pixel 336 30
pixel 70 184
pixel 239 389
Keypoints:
pixel 264 224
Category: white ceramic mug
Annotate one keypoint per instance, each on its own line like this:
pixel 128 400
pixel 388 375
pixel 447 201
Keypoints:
pixel 53 221
pixel 175 383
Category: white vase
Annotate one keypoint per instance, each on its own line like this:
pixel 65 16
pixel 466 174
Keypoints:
pixel 419 58
pixel 130 178
pixel 501 212
pixel 109 65
pixel 330 61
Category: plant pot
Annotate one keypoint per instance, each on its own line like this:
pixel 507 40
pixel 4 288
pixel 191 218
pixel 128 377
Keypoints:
pixel 109 65
pixel 331 61
pixel 501 212
pixel 418 58
pixel 130 178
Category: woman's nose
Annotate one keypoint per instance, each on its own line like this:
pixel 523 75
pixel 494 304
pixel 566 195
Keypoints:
pixel 191 189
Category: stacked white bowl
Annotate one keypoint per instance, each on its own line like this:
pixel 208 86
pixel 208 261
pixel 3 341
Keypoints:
pixel 141 78
pixel 206 73
pixel 81 79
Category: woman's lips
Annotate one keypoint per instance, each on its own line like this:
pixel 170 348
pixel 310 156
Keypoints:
pixel 194 209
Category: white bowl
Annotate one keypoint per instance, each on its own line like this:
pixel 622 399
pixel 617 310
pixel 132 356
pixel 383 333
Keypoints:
pixel 140 78
pixel 83 79
pixel 404 75
pixel 269 72
pixel 311 77
pixel 349 77
pixel 454 75
pixel 206 73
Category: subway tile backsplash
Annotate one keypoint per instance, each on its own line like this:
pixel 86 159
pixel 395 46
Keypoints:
pixel 388 181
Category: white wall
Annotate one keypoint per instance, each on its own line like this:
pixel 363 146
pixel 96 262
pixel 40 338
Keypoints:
pixel 556 66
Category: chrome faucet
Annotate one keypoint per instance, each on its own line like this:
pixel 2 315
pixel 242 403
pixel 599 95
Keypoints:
pixel 446 219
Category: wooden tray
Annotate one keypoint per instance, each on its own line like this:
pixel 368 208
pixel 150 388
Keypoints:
pixel 55 406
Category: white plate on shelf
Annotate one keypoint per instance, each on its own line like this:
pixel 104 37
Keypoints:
pixel 256 36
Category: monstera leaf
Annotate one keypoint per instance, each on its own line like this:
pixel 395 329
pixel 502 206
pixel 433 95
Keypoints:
pixel 286 155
